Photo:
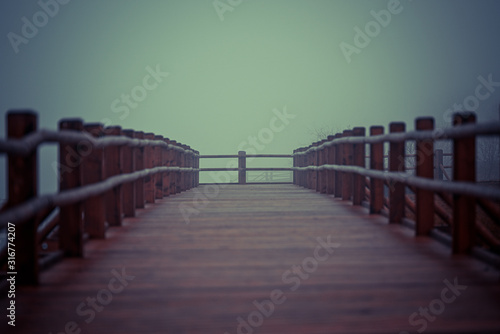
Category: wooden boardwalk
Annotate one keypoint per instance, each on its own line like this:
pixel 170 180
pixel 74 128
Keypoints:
pixel 250 244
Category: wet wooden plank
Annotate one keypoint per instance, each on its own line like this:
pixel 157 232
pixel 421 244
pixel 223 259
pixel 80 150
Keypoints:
pixel 242 244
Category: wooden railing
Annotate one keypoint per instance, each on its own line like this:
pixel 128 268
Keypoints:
pixel 336 166
pixel 105 174
pixel 242 164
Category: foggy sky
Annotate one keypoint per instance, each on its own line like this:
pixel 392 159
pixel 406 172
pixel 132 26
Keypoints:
pixel 227 79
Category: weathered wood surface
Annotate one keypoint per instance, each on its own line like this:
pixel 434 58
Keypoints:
pixel 200 277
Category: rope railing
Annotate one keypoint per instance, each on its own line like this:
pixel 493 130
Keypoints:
pixel 337 166
pixel 242 168
pixel 438 134
pixel 461 188
pixel 104 174
pixel 31 207
pixel 26 145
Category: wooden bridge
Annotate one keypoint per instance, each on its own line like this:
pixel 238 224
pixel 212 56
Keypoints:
pixel 347 248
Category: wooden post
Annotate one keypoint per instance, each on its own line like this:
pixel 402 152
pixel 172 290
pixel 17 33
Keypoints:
pixel 309 162
pixel 425 168
pixel 464 169
pixel 184 175
pixel 193 175
pixel 93 172
pixel 195 161
pixel 180 163
pixel 358 159
pixel 376 163
pixel 242 164
pixel 187 163
pixel 299 164
pixel 330 175
pixel 187 157
pixel 22 185
pixel 197 166
pixel 140 199
pixel 318 162
pixel 294 164
pixel 346 161
pixel 70 216
pixel 338 161
pixel 166 162
pixel 173 162
pixel 191 164
pixel 149 181
pixel 157 163
pixel 396 164
pixel 324 173
pixel 438 162
pixel 129 167
pixel 184 164
pixel 112 167
pixel 304 160
pixel 314 162
pixel 321 158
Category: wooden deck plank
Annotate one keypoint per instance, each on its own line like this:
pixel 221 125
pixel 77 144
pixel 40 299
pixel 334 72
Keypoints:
pixel 200 277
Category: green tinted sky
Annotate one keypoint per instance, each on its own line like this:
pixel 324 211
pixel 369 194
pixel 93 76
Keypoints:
pixel 226 77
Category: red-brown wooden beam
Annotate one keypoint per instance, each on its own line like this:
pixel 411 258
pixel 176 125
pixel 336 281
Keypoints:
pixel 330 187
pixel 166 162
pixel 93 172
pixel 112 167
pixel 338 161
pixel 424 168
pixel 129 167
pixel 158 163
pixel 358 181
pixel 71 216
pixel 149 181
pixel 346 161
pixel 174 163
pixel 140 197
pixel 464 169
pixel 396 164
pixel 22 186
pixel 180 163
pixel 376 163
pixel 323 156
pixel 242 163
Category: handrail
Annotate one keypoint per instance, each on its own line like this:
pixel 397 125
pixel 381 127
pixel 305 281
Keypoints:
pixel 457 187
pixel 29 143
pixel 256 169
pixel 337 166
pixel 464 131
pixel 217 156
pixel 242 169
pixel 106 173
pixel 30 208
